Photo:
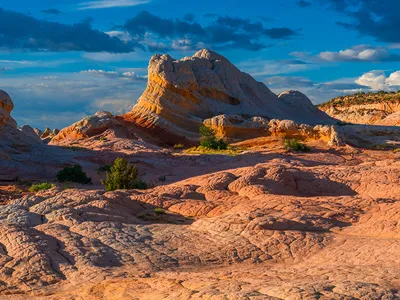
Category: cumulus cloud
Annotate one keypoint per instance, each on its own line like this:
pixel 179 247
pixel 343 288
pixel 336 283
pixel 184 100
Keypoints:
pixel 377 80
pixel 222 32
pixel 288 82
pixel 78 94
pixel 19 31
pixel 394 79
pixel 145 31
pixel 318 92
pixel 360 53
pixel 114 74
pixel 110 3
pixel 261 68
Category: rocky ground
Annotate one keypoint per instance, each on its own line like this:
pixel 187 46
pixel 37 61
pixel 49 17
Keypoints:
pixel 266 224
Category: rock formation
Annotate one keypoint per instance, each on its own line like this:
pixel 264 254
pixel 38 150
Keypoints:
pixel 99 123
pixel 28 130
pixel 38 132
pixel 238 128
pixel 365 108
pixel 6 106
pixel 181 94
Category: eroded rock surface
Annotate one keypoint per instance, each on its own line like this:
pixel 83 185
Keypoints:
pixel 264 225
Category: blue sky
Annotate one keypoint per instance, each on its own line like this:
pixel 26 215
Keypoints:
pixel 66 59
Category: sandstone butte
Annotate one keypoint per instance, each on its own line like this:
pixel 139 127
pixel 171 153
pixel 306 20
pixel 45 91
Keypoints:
pixel 264 224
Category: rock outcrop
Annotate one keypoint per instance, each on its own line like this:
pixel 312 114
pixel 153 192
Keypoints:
pixel 365 108
pixel 28 130
pixel 6 106
pixel 181 94
pixel 237 128
pixel 100 123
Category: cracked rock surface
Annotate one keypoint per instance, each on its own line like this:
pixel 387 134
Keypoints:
pixel 320 225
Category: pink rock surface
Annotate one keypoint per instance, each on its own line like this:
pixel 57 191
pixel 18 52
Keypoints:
pixel 265 224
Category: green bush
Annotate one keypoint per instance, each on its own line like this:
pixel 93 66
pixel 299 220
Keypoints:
pixel 295 145
pixel 104 168
pixel 179 146
pixel 159 211
pixel 209 141
pixel 41 187
pixel 123 176
pixel 73 174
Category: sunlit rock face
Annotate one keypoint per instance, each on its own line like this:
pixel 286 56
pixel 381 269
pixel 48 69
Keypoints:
pixel 365 108
pixel 181 94
pixel 6 106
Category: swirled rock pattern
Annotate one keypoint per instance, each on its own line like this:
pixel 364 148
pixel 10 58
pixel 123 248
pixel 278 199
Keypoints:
pixel 263 225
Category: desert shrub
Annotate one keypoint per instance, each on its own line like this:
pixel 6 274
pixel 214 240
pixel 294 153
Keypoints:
pixel 123 176
pixel 41 187
pixel 104 168
pixel 179 146
pixel 159 211
pixel 295 145
pixel 73 174
pixel 208 139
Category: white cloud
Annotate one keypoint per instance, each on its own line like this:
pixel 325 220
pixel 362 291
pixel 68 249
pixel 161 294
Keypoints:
pixel 117 57
pixel 113 74
pixel 318 92
pixel 394 79
pixel 260 68
pixel 360 53
pixel 110 3
pixel 65 97
pixel 377 80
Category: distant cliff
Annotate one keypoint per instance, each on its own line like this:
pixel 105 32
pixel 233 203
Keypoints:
pixel 381 108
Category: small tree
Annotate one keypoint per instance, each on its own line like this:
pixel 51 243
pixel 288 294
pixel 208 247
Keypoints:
pixel 208 139
pixel 123 176
pixel 73 174
pixel 293 144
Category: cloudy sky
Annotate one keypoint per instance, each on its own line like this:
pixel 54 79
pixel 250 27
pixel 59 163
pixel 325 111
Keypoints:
pixel 66 59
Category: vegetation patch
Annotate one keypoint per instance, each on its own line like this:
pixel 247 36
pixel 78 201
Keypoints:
pixel 44 186
pixel 123 176
pixel 73 174
pixel 295 145
pixel 179 146
pixel 361 98
pixel 230 151
pixel 74 148
pixel 104 169
pixel 159 211
pixel 208 139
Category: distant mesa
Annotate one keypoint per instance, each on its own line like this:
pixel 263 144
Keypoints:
pixel 380 108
